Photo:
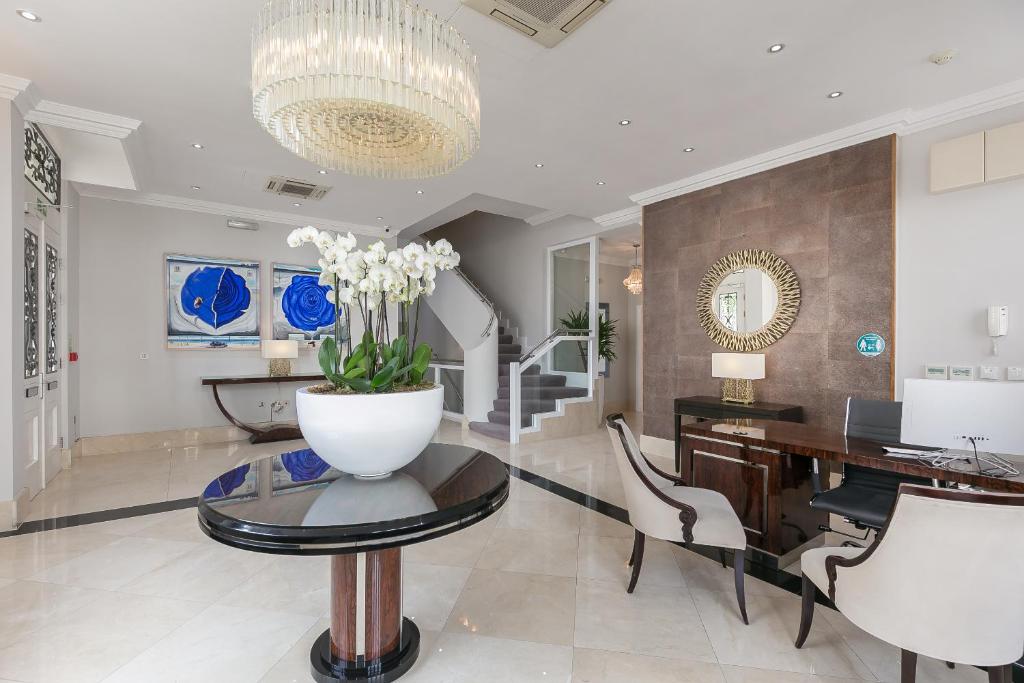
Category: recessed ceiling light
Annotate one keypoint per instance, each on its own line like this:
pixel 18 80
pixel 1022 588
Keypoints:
pixel 296 203
pixel 196 145
pixel 688 149
pixel 29 15
pixel 380 218
pixel 625 122
pixel 195 187
pixel 322 172
pixel 419 191
pixel 834 94
pixel 777 47
pixel 539 165
pixel 600 182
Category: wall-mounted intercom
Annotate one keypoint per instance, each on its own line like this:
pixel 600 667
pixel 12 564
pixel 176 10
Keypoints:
pixel 998 325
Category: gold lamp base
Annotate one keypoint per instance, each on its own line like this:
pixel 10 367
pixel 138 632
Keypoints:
pixel 738 391
pixel 280 367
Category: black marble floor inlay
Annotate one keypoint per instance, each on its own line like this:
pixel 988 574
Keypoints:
pixel 764 572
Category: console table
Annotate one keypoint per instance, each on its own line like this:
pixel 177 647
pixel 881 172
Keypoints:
pixel 294 504
pixel 713 408
pixel 272 432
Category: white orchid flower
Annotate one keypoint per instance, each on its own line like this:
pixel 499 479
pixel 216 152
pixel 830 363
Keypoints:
pixel 442 247
pixel 326 278
pixel 295 238
pixel 347 242
pixel 345 295
pixel 309 233
pixel 324 240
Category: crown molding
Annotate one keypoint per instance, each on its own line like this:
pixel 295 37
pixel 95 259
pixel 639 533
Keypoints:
pixel 226 210
pixel 617 219
pixel 21 91
pixel 84 120
pixel 903 122
pixel 544 217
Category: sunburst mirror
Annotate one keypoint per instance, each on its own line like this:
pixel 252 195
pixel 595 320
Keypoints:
pixel 748 300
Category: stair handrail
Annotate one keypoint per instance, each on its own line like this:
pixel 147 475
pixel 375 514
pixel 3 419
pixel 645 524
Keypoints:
pixel 516 368
pixel 558 336
pixel 476 290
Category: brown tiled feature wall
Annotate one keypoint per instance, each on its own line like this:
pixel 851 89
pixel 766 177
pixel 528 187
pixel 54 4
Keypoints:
pixel 831 218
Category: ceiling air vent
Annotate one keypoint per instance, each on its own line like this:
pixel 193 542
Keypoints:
pixel 546 21
pixel 290 187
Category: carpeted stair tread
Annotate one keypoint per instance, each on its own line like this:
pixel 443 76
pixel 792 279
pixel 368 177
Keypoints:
pixel 504 369
pixel 495 431
pixel 527 405
pixel 502 418
pixel 505 338
pixel 534 379
pixel 545 392
pixel 510 348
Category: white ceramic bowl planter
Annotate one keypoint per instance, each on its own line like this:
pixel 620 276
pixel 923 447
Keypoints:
pixel 369 435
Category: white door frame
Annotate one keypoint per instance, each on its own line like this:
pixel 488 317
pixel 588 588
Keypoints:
pixel 592 289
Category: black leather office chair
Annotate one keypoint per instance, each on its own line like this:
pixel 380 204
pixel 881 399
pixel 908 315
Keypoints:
pixel 865 496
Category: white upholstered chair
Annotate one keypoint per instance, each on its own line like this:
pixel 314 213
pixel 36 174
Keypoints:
pixel 944 578
pixel 662 507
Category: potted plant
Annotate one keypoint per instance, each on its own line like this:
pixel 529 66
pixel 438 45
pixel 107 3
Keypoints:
pixel 377 412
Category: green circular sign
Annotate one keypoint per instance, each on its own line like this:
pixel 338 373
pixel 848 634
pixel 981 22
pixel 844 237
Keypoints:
pixel 870 345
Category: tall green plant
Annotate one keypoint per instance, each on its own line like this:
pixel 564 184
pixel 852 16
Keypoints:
pixel 606 334
pixel 370 280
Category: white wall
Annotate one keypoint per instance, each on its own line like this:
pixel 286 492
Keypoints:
pixel 957 253
pixel 123 314
pixel 12 136
pixel 506 257
pixel 617 386
pixel 70 230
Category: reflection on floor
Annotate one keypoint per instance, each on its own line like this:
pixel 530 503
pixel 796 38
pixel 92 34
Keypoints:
pixel 535 593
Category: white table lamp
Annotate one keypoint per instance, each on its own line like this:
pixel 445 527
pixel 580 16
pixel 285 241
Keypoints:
pixel 280 352
pixel 738 370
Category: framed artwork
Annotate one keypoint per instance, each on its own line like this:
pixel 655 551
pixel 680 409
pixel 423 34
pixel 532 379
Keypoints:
pixel 212 303
pixel 299 469
pixel 240 483
pixel 301 309
pixel 603 315
pixel 42 165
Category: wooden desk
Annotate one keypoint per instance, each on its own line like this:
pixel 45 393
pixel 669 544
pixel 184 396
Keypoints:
pixel 713 408
pixel 764 469
pixel 272 432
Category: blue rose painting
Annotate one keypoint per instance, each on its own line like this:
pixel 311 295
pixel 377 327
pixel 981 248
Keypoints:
pixel 227 483
pixel 212 303
pixel 305 304
pixel 217 295
pixel 301 308
pixel 304 465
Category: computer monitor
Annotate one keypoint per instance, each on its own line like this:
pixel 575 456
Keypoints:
pixel 942 413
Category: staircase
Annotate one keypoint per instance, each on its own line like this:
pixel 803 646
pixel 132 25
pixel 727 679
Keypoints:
pixel 540 392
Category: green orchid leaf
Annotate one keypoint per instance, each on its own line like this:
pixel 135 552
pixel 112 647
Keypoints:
pixel 357 355
pixel 359 385
pixel 420 362
pixel 328 357
pixel 400 348
pixel 354 373
pixel 385 375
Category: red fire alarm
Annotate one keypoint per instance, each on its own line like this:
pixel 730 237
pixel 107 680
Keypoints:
pixel 73 356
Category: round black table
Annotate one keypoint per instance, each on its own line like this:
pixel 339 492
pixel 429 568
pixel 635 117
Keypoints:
pixel 296 504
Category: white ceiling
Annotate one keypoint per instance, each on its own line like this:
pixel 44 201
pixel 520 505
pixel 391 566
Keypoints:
pixel 686 72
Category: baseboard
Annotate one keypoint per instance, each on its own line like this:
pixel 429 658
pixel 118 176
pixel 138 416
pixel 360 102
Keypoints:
pixel 152 441
pixel 13 512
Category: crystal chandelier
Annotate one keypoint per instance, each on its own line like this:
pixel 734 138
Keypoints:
pixel 634 282
pixel 377 88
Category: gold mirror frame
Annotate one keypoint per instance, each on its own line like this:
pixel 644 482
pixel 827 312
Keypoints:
pixel 785 281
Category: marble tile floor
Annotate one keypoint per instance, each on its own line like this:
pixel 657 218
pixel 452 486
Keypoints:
pixel 534 593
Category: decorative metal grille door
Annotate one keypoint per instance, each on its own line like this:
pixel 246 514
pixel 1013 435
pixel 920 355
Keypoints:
pixel 31 305
pixel 52 360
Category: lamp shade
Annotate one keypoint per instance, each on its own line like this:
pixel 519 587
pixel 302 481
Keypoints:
pixel 280 348
pixel 737 365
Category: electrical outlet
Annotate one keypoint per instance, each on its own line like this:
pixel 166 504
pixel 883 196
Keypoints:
pixel 1015 374
pixel 143 356
pixel 989 372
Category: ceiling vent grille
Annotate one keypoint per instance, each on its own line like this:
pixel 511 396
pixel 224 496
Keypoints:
pixel 546 21
pixel 289 187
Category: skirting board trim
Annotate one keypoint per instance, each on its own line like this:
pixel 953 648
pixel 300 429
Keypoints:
pixel 152 441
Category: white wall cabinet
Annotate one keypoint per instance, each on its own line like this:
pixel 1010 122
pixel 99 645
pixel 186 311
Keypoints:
pixel 1004 152
pixel 982 157
pixel 958 163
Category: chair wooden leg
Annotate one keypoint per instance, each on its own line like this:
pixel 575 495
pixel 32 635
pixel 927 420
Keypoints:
pixel 908 666
pixel 1000 674
pixel 638 559
pixel 808 593
pixel 739 558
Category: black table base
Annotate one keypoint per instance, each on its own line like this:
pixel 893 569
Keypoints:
pixel 384 670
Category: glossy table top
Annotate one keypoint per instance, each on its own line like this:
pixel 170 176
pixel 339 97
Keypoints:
pixel 813 442
pixel 262 379
pixel 295 503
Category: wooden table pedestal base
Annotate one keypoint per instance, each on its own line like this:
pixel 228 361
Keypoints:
pixel 369 640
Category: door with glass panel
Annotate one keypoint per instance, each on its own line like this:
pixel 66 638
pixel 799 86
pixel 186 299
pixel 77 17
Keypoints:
pixel 30 456
pixel 50 301
pixel 572 306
